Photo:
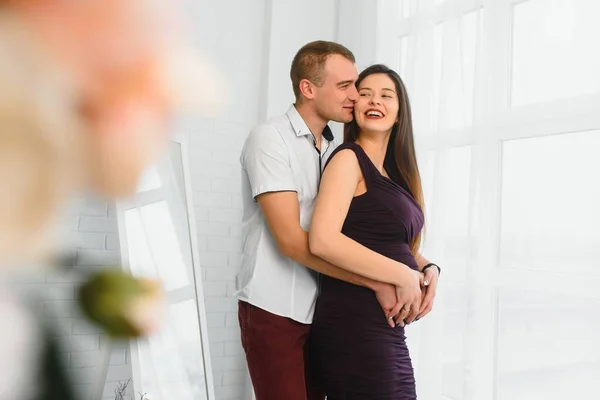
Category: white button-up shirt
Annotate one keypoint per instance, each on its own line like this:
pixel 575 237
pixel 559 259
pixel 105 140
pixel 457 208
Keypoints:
pixel 279 155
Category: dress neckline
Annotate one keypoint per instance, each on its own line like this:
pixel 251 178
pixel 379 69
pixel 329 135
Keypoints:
pixel 385 178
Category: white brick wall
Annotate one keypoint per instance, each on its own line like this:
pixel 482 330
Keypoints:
pixel 92 232
pixel 234 42
pixel 97 245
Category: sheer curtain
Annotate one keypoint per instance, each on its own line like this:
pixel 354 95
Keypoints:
pixel 505 97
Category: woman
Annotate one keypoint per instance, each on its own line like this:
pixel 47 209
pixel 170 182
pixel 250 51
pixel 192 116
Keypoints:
pixel 368 219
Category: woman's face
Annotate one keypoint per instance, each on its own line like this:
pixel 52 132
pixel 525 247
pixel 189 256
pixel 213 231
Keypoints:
pixel 377 106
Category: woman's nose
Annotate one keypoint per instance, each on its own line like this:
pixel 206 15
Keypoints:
pixel 374 100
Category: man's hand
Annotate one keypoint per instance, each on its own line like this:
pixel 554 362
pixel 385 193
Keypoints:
pixel 430 282
pixel 386 296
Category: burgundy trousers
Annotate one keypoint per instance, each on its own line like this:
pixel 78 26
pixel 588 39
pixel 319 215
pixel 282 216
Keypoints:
pixel 276 352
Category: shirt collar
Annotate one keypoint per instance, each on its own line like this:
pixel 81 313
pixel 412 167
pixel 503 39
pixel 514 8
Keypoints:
pixel 300 127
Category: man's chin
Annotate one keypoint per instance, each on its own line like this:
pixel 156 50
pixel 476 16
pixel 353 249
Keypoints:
pixel 345 118
pixel 342 117
pixel 348 119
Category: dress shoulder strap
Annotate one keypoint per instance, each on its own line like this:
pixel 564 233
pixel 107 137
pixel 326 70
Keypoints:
pixel 366 166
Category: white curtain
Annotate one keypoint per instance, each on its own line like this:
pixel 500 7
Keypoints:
pixel 505 97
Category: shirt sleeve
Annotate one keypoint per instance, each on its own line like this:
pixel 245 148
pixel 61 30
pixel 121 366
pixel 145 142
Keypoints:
pixel 266 160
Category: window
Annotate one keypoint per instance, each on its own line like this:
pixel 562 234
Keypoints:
pixel 504 97
pixel 553 54
pixel 549 208
pixel 403 55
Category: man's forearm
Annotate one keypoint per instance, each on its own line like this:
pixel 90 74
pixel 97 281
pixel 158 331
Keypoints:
pixel 302 255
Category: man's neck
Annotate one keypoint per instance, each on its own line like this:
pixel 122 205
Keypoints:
pixel 315 123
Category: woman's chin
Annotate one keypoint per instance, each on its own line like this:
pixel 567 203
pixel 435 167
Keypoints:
pixel 375 128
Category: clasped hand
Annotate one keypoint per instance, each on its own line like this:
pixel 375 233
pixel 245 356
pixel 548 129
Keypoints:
pixel 410 302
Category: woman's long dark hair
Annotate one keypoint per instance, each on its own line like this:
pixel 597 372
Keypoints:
pixel 400 158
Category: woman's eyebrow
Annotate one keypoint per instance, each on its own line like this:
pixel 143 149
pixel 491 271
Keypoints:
pixel 368 88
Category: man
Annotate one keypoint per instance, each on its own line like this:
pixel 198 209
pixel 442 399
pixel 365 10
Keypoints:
pixel 282 160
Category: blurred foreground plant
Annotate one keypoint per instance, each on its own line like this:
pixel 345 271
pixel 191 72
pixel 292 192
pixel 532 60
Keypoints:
pixel 123 305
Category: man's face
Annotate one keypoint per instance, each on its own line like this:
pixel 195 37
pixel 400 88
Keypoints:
pixel 334 100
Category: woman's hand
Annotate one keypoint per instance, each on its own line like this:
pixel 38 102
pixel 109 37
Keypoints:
pixel 409 299
pixel 430 281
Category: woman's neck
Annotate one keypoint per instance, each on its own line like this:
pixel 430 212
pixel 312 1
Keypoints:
pixel 375 145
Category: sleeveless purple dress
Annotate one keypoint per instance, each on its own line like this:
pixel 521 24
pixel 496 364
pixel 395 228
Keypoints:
pixel 354 353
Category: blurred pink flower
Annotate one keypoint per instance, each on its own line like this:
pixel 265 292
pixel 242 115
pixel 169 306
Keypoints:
pixel 87 91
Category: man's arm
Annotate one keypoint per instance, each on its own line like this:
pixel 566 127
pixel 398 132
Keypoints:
pixel 282 212
pixel 265 158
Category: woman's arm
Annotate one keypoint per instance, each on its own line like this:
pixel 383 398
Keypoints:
pixel 338 186
pixel 430 281
pixel 421 261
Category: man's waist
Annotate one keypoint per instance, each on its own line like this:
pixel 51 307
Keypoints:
pixel 298 308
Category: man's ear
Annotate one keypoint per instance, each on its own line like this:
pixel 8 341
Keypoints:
pixel 307 89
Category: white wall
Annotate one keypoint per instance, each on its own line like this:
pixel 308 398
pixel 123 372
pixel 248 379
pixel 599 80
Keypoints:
pixel 91 229
pixel 292 25
pixel 234 42
pixel 357 29
pixel 254 49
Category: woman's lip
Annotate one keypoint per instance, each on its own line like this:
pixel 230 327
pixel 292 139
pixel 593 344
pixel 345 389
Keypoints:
pixel 372 117
pixel 374 110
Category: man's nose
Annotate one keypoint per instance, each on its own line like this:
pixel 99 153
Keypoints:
pixel 353 95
